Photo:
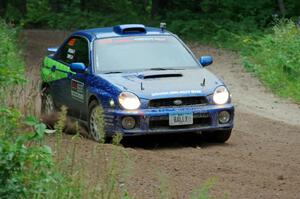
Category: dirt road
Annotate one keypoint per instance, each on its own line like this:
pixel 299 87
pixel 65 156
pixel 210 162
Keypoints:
pixel 261 160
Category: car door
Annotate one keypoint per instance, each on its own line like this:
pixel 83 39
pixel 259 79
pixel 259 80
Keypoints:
pixel 77 81
pixel 60 66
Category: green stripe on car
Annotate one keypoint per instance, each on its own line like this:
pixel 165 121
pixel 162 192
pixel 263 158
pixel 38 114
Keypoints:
pixel 49 75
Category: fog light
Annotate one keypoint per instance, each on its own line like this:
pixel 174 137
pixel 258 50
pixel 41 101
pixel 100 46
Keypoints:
pixel 128 123
pixel 224 117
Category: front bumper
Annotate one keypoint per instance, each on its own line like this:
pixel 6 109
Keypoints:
pixel 155 121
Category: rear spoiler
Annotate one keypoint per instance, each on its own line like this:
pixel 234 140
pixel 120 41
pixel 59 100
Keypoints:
pixel 52 50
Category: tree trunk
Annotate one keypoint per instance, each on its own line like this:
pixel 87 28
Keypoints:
pixel 155 8
pixel 281 7
pixel 145 4
pixel 3 4
pixel 82 5
pixel 55 5
pixel 19 5
pixel 23 7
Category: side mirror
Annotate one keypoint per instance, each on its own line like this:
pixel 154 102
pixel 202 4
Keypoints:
pixel 78 67
pixel 206 60
pixel 52 50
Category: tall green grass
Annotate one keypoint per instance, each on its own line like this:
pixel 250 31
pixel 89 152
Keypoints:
pixel 11 62
pixel 275 58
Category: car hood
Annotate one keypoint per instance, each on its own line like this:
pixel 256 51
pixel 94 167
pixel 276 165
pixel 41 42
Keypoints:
pixel 167 83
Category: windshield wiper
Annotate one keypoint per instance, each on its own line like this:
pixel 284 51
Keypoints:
pixel 112 72
pixel 165 68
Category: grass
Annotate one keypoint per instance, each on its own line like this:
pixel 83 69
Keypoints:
pixel 275 59
pixel 15 90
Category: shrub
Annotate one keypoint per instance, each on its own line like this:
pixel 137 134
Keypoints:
pixel 23 168
pixel 11 63
pixel 275 58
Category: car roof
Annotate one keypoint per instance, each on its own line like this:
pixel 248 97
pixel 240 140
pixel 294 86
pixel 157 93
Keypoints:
pixel 120 31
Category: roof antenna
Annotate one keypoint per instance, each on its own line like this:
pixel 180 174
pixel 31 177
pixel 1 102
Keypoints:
pixel 142 87
pixel 203 83
pixel 163 26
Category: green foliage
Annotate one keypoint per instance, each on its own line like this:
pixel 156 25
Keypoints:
pixel 12 14
pixel 38 12
pixel 203 192
pixel 207 15
pixel 117 138
pixel 216 27
pixel 11 63
pixel 59 129
pixel 71 15
pixel 275 58
pixel 100 123
pixel 24 167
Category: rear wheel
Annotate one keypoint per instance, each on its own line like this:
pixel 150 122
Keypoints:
pixel 48 106
pixel 218 136
pixel 96 122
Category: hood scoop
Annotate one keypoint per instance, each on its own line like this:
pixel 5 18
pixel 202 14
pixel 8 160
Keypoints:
pixel 154 76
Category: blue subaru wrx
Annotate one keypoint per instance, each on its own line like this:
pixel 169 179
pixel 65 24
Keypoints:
pixel 146 80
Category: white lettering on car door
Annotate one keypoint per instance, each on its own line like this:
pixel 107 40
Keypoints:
pixel 77 90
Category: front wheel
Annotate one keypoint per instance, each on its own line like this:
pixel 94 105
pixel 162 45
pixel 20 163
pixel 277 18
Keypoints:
pixel 218 136
pixel 96 122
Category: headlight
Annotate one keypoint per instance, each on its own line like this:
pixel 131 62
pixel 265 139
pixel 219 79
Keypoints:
pixel 129 101
pixel 221 95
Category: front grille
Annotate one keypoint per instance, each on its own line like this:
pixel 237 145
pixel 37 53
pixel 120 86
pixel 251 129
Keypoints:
pixel 162 122
pixel 178 102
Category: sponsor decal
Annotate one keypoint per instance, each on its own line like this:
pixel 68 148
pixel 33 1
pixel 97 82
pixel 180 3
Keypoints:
pixel 71 51
pixel 177 102
pixel 128 40
pixel 72 42
pixel 177 92
pixel 69 56
pixel 150 39
pixel 77 90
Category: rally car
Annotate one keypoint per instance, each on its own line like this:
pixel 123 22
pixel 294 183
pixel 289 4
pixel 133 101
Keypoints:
pixel 145 79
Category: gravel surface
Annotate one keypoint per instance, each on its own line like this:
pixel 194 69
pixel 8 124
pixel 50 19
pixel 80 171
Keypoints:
pixel 261 160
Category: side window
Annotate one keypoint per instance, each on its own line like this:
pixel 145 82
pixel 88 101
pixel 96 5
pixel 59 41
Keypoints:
pixel 75 50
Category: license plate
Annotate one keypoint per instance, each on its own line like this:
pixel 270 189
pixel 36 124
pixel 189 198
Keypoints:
pixel 180 119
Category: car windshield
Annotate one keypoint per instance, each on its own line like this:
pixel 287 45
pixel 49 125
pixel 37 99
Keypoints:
pixel 138 53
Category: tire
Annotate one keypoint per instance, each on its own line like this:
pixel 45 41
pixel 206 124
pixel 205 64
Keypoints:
pixel 218 136
pixel 48 106
pixel 93 123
